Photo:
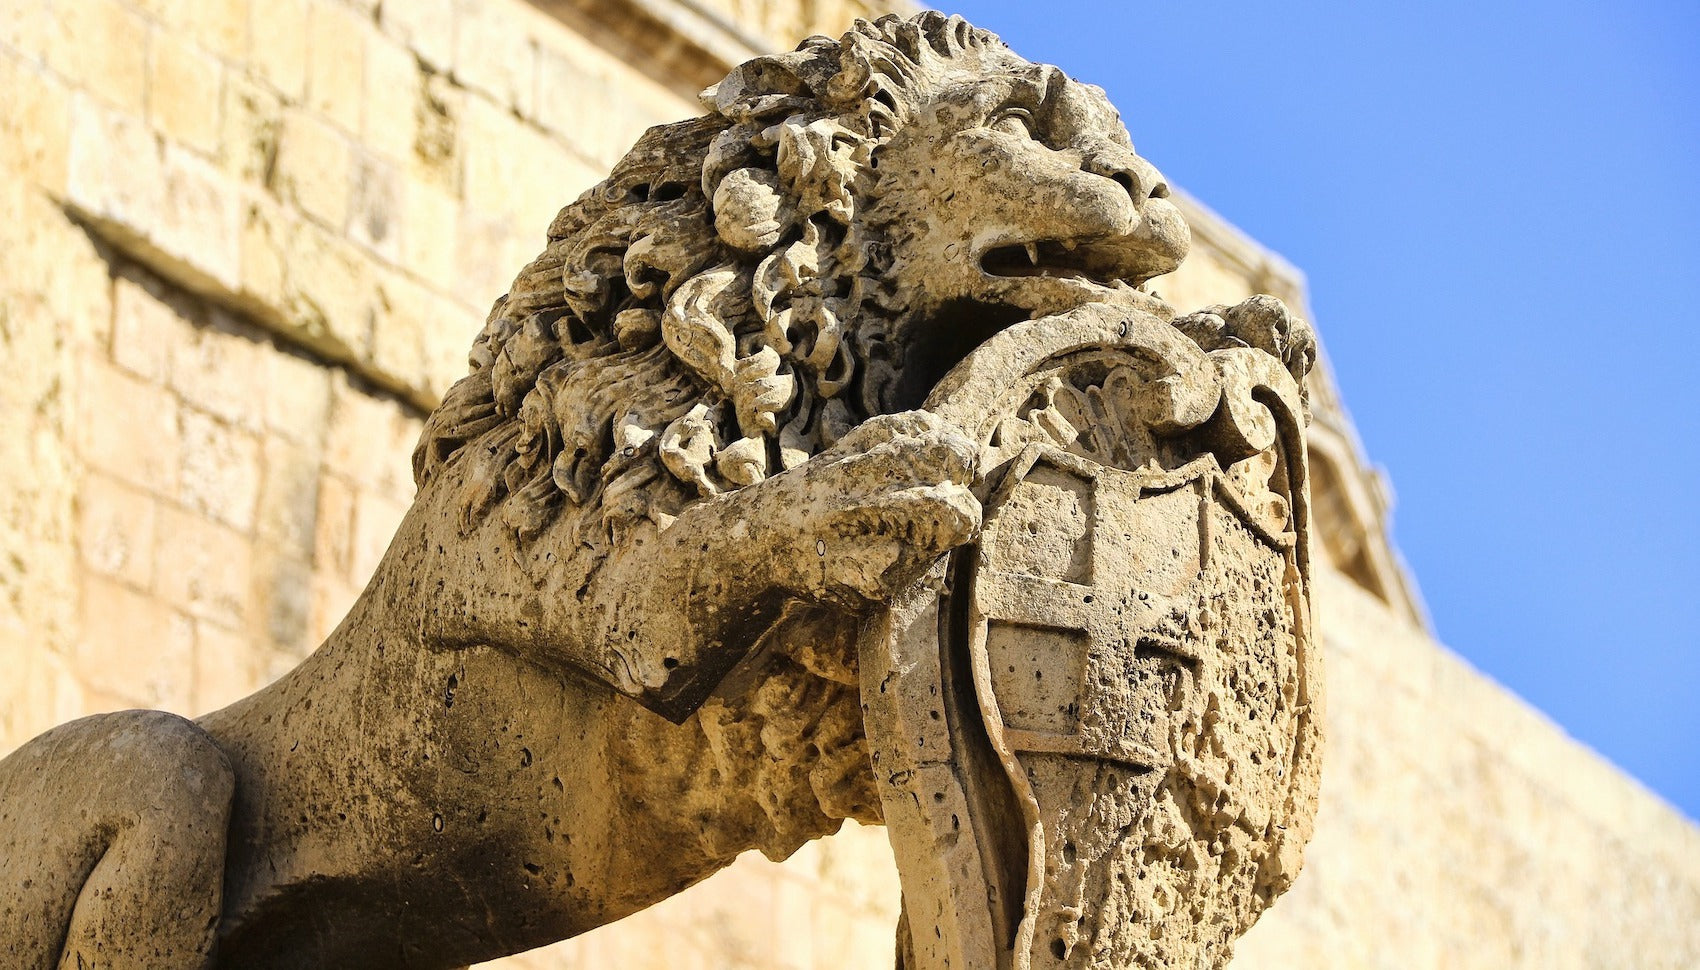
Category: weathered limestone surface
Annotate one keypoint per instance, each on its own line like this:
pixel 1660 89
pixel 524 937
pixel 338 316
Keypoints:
pixel 232 342
pixel 1457 828
pixel 1134 617
pixel 1530 851
pixel 688 468
pixel 100 552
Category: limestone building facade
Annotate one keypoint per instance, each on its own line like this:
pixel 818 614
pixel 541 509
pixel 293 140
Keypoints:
pixel 247 244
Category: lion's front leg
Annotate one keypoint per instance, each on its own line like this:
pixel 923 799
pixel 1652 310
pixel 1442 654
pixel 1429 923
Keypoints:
pixel 848 528
pixel 112 835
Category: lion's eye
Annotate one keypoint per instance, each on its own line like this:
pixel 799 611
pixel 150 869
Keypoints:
pixel 1012 121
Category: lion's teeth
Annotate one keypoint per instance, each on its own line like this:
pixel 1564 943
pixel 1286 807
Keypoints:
pixel 1033 253
pixel 1069 244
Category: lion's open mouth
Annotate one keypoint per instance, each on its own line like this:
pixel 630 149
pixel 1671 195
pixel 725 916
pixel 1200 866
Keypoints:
pixel 1031 279
pixel 1103 264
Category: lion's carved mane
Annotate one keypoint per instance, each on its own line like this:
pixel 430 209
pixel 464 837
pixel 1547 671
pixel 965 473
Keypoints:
pixel 716 310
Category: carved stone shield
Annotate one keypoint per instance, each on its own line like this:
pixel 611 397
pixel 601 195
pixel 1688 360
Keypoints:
pixel 1094 729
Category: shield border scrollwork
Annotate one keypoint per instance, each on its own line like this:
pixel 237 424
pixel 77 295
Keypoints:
pixel 936 736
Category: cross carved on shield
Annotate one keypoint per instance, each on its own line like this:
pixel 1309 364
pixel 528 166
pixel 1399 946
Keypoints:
pixel 1084 584
pixel 1094 728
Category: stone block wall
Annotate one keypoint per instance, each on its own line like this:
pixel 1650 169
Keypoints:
pixel 247 243
pixel 233 496
pixel 1460 828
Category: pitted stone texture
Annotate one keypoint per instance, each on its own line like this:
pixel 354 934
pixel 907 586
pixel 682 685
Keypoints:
pixel 1131 633
pixel 1523 849
pixel 686 464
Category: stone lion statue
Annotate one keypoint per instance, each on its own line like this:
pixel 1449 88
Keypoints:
pixel 612 643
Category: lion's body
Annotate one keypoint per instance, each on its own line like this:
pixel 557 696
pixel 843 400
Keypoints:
pixel 487 807
pixel 549 708
pixel 480 826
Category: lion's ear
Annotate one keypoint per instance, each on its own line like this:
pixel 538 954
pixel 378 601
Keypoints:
pixel 772 86
pixel 759 89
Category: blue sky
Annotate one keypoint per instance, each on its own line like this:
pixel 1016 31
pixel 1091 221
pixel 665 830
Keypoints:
pixel 1497 207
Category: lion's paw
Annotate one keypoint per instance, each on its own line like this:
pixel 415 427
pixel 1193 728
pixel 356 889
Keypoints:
pixel 871 513
pixel 914 446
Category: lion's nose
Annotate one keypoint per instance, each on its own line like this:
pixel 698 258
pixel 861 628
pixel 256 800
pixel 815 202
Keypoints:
pixel 1136 175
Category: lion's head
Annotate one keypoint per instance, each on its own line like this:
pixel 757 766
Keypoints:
pixel 847 221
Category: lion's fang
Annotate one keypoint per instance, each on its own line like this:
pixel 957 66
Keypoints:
pixel 1032 253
